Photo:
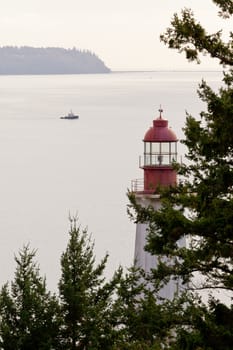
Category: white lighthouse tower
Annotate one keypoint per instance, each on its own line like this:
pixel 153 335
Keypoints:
pixel 160 151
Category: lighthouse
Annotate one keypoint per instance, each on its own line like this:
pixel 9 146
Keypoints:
pixel 160 151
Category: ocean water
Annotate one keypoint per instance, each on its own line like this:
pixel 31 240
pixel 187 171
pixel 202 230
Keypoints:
pixel 53 168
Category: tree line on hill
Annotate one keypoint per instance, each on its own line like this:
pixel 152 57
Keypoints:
pixel 50 60
pixel 126 311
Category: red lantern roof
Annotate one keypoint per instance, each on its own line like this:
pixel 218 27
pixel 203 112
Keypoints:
pixel 160 132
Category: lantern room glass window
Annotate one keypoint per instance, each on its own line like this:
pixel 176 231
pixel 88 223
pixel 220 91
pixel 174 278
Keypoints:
pixel 154 147
pixel 165 147
pixel 160 153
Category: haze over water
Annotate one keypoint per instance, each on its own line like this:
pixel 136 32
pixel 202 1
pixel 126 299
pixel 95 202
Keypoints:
pixel 52 167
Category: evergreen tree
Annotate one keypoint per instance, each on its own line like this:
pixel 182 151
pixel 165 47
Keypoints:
pixel 29 315
pixel 86 299
pixel 142 321
pixel 201 206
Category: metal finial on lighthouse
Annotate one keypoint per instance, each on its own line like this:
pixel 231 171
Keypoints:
pixel 160 112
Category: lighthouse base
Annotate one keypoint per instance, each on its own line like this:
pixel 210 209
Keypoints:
pixel 144 259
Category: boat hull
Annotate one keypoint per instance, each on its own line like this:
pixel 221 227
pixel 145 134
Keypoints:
pixel 73 117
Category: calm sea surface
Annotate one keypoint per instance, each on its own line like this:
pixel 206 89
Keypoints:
pixel 51 168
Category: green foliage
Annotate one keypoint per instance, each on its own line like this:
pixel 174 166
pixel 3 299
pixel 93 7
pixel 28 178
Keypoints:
pixel 90 312
pixel 29 314
pixel 188 36
pixel 143 322
pixel 207 328
pixel 226 7
pixel 86 298
pixel 200 208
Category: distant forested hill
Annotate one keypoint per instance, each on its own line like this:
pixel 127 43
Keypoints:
pixel 50 60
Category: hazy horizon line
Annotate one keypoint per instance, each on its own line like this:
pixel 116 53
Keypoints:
pixel 163 70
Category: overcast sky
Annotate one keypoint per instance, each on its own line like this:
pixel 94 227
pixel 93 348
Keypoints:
pixel 123 33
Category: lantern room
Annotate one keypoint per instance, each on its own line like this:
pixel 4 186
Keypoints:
pixel 160 152
pixel 160 144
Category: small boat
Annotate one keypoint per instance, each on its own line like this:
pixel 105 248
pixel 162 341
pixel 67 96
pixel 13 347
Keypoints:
pixel 70 115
